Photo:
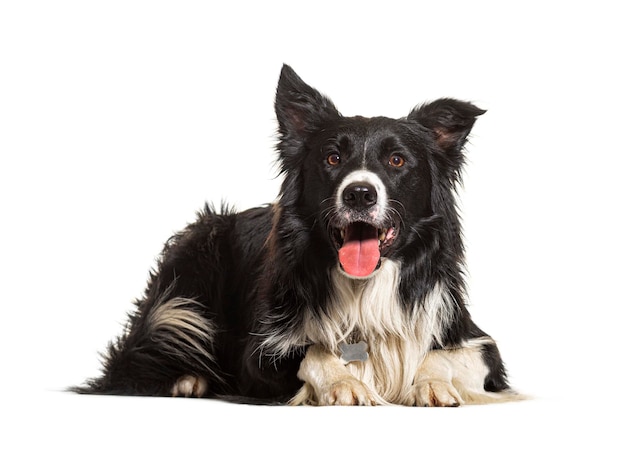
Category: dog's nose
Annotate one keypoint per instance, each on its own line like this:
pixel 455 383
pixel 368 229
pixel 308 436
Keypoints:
pixel 359 195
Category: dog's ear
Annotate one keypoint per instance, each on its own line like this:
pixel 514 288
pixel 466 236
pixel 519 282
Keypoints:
pixel 300 109
pixel 450 121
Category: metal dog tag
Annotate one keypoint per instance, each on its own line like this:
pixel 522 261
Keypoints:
pixel 356 352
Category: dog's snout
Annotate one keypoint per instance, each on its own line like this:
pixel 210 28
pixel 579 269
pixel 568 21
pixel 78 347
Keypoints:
pixel 359 196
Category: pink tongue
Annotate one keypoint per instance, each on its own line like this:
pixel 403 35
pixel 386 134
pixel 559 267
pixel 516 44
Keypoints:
pixel 360 254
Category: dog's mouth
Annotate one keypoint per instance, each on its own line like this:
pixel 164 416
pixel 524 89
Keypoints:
pixel 360 246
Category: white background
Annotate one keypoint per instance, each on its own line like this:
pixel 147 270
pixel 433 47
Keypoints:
pixel 118 120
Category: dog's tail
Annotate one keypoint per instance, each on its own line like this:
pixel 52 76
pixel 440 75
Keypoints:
pixel 165 340
pixel 486 397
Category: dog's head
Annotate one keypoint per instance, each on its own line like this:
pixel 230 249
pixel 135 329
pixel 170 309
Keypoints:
pixel 368 185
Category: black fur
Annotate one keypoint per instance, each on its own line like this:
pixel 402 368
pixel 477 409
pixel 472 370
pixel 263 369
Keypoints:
pixel 256 273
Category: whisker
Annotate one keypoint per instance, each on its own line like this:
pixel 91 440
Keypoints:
pixel 394 213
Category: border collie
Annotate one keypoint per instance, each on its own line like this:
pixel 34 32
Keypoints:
pixel 348 290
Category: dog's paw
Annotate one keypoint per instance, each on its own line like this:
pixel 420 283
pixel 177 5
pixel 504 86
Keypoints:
pixel 347 392
pixel 190 386
pixel 436 393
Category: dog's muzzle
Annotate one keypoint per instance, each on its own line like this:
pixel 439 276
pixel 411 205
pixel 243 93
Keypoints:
pixel 364 230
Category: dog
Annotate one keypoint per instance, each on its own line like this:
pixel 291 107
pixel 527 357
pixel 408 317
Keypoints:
pixel 347 290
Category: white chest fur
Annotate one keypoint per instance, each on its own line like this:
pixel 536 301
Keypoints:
pixel 369 310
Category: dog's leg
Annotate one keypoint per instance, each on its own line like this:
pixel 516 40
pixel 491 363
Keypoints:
pixel 190 386
pixel 433 385
pixel 451 377
pixel 328 382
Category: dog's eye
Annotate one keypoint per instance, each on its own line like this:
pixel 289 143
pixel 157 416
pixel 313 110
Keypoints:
pixel 333 158
pixel 396 161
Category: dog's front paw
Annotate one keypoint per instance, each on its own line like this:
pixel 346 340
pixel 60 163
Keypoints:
pixel 190 386
pixel 347 392
pixel 436 393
